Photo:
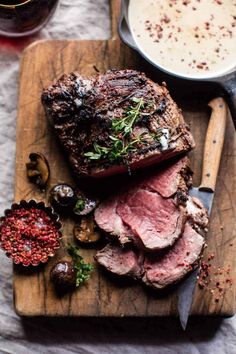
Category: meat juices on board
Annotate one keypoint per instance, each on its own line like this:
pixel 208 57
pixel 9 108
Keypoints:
pixel 192 38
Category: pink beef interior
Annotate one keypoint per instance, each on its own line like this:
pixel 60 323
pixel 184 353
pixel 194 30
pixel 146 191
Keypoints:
pixel 120 261
pixel 109 221
pixel 156 221
pixel 167 181
pixel 161 271
pixel 157 270
pixel 148 213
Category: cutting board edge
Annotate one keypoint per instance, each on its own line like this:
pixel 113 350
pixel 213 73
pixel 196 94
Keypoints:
pixel 24 313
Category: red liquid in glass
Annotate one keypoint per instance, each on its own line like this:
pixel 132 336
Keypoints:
pixel 22 17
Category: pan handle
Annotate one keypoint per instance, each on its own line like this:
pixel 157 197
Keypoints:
pixel 123 27
pixel 229 86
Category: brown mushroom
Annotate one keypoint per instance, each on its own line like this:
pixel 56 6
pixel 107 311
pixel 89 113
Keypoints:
pixel 86 231
pixel 63 275
pixel 62 197
pixel 38 169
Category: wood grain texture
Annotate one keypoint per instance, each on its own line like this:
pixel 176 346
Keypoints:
pixel 214 143
pixel 43 63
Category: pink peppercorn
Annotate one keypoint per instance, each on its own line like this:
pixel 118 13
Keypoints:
pixel 29 235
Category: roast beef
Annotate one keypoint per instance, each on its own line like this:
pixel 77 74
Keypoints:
pixel 169 224
pixel 110 222
pixel 174 176
pixel 159 269
pixel 156 221
pixel 121 261
pixel 83 109
pixel 149 212
pixel 163 270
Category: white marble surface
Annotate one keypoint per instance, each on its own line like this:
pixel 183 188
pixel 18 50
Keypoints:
pixel 84 19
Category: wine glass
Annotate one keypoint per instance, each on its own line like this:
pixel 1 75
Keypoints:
pixel 24 17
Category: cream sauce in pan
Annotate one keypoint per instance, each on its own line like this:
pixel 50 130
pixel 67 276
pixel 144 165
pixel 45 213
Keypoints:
pixel 195 38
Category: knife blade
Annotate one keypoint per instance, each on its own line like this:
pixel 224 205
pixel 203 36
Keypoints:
pixel 214 142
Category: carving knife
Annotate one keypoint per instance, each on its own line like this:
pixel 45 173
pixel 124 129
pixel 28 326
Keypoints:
pixel 205 192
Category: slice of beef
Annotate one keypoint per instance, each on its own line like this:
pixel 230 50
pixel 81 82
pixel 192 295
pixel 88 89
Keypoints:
pixel 121 261
pixel 81 109
pixel 109 221
pixel 157 270
pixel 143 213
pixel 155 220
pixel 173 177
pixel 161 270
pixel 148 207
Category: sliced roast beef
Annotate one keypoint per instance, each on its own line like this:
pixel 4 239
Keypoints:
pixel 155 220
pixel 110 222
pixel 83 109
pixel 121 261
pixel 159 269
pixel 148 212
pixel 170 178
pixel 163 270
pixel 158 212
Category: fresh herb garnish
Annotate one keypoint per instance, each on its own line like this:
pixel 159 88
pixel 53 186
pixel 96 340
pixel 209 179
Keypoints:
pixel 82 269
pixel 125 125
pixel 79 206
pixel 120 143
pixel 117 150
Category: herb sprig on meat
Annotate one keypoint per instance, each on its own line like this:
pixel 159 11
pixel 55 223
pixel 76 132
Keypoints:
pixel 124 126
pixel 120 143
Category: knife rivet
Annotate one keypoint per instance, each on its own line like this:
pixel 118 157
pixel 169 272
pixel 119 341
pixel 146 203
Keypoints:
pixel 214 141
pixel 208 174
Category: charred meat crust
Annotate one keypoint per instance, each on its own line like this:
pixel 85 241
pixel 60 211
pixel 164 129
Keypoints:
pixel 81 110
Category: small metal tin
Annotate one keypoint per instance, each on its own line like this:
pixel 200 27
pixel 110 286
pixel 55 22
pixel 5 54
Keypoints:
pixel 54 217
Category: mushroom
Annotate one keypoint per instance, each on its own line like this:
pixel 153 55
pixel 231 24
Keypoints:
pixel 68 275
pixel 63 276
pixel 86 231
pixel 38 170
pixel 62 197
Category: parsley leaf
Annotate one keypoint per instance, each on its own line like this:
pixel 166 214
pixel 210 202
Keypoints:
pixel 82 269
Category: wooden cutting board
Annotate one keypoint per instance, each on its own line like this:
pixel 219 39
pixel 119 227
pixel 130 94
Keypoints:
pixel 44 62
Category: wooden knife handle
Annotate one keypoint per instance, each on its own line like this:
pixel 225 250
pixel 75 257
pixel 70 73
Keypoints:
pixel 214 144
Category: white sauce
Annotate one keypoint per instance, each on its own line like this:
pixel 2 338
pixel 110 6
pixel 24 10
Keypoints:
pixel 195 38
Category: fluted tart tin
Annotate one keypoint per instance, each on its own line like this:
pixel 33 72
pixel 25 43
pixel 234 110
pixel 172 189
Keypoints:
pixel 30 232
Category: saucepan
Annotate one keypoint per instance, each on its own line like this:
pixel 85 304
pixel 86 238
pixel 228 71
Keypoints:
pixel 226 80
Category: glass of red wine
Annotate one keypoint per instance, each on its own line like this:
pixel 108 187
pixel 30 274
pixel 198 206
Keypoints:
pixel 24 17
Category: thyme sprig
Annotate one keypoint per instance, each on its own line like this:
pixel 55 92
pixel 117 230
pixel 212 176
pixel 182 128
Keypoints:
pixel 125 125
pixel 117 150
pixel 82 269
pixel 120 143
